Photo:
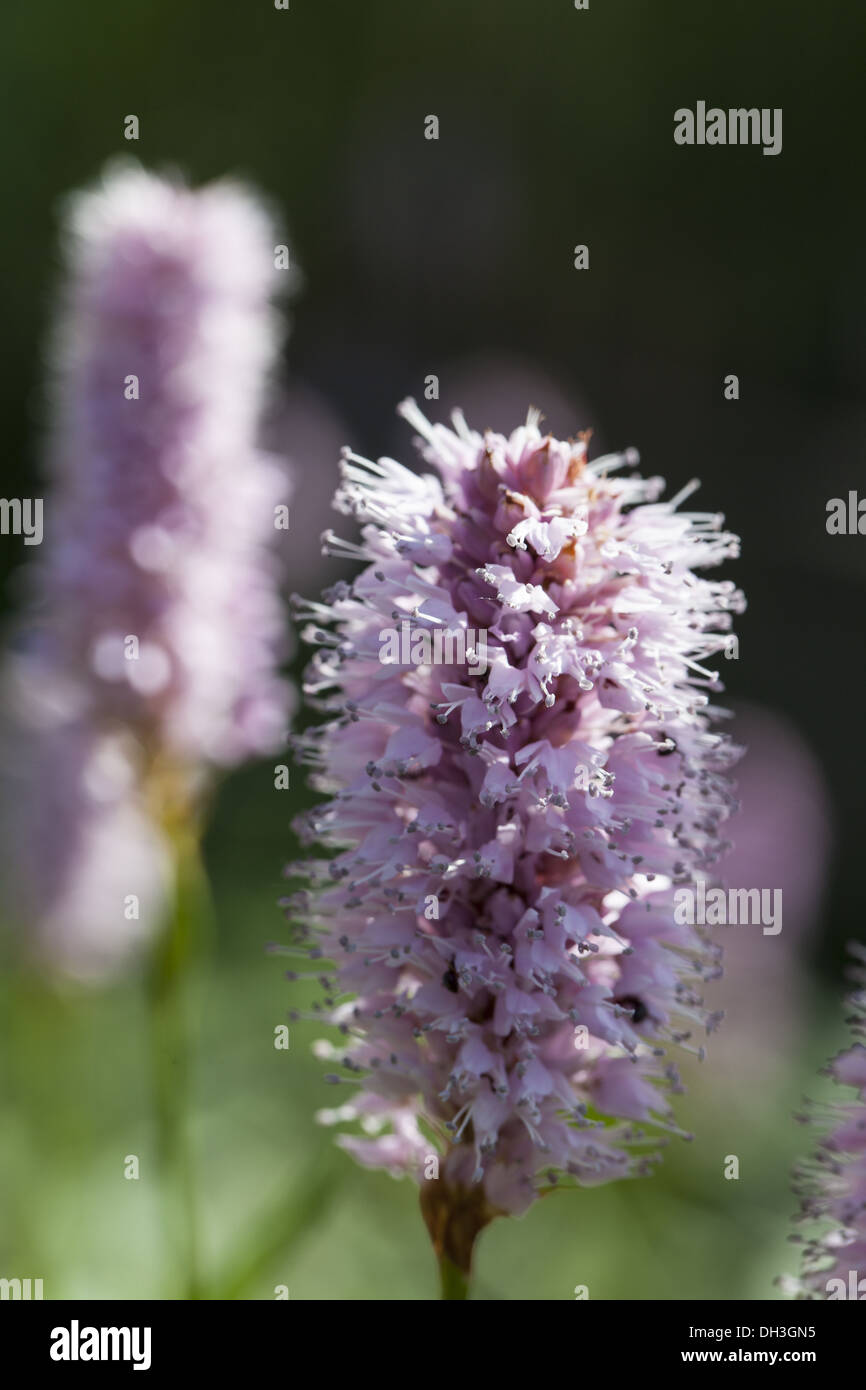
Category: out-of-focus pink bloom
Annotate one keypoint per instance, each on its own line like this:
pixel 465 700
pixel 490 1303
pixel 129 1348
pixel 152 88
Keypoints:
pixel 154 627
pixel 161 516
pixel 92 872
pixel 782 835
pixel 782 832
pixel 501 901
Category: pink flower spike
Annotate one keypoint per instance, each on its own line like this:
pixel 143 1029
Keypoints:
pixel 504 843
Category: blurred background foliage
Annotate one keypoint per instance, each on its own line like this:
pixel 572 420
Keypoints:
pixel 456 258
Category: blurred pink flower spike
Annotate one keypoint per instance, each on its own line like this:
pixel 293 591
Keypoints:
pixel 154 631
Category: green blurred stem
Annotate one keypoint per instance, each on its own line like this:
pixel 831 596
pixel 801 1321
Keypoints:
pixel 175 957
pixel 454 1283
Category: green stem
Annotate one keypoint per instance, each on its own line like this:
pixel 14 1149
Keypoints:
pixel 174 957
pixel 453 1282
pixel 454 1216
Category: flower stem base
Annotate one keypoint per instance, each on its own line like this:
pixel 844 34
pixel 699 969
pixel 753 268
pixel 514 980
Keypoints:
pixel 455 1217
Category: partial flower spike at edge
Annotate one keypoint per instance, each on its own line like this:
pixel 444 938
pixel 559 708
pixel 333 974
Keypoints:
pixel 500 848
pixel 831 1184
